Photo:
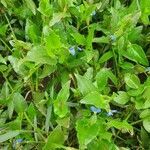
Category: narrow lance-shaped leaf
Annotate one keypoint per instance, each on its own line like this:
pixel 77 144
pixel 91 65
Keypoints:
pixel 136 53
pixel 8 135
pixel 60 104
pixel 31 5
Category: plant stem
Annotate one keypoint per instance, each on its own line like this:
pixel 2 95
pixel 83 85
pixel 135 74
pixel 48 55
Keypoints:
pixel 5 44
pixel 36 129
pixel 136 122
pixel 10 27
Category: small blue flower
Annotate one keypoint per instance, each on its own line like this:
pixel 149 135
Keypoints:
pixel 79 49
pixel 72 50
pixel 95 110
pixel 111 113
pixel 114 111
pixel 113 38
pixel 19 140
pixel 147 69
pixel 93 13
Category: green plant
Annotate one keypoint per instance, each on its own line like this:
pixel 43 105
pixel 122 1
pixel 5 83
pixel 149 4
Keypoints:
pixel 74 74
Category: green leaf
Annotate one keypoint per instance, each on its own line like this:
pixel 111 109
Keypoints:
pixel 47 70
pixel 60 104
pixel 31 111
pixel 102 78
pixel 135 34
pixel 64 122
pixel 102 144
pixel 145 139
pixel 53 40
pixel 106 56
pixel 122 98
pixel 39 55
pixel 127 65
pixel 4 3
pixel 8 135
pixel 5 91
pixel 124 126
pixel 53 43
pixel 146 93
pixel 80 39
pixel 55 137
pixel 85 86
pixel 145 9
pixel 136 53
pixel 32 31
pixel 10 109
pixel 96 99
pixel 20 103
pixel 48 118
pixel 2 60
pixel 112 77
pixel 132 80
pixel 45 8
pixel 57 17
pixel 102 39
pixel 15 63
pixel 31 5
pixel 145 113
pixel 3 29
pixel 146 124
pixel 136 92
pixel 89 73
pixel 85 138
pixel 127 22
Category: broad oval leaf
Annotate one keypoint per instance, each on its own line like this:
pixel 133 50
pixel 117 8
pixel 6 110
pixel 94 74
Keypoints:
pixel 146 124
pixel 132 81
pixel 20 103
pixel 39 55
pixel 85 138
pixel 122 98
pixel 55 137
pixel 85 86
pixel 124 126
pixel 96 99
pixel 145 113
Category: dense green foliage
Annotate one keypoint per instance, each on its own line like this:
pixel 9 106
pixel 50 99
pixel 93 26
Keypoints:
pixel 74 74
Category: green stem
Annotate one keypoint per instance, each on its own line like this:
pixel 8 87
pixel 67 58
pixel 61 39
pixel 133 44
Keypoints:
pixel 37 81
pixel 136 122
pixel 10 27
pixel 5 44
pixel 128 116
pixel 116 63
pixel 35 128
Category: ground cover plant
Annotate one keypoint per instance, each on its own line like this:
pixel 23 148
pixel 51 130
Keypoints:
pixel 75 74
